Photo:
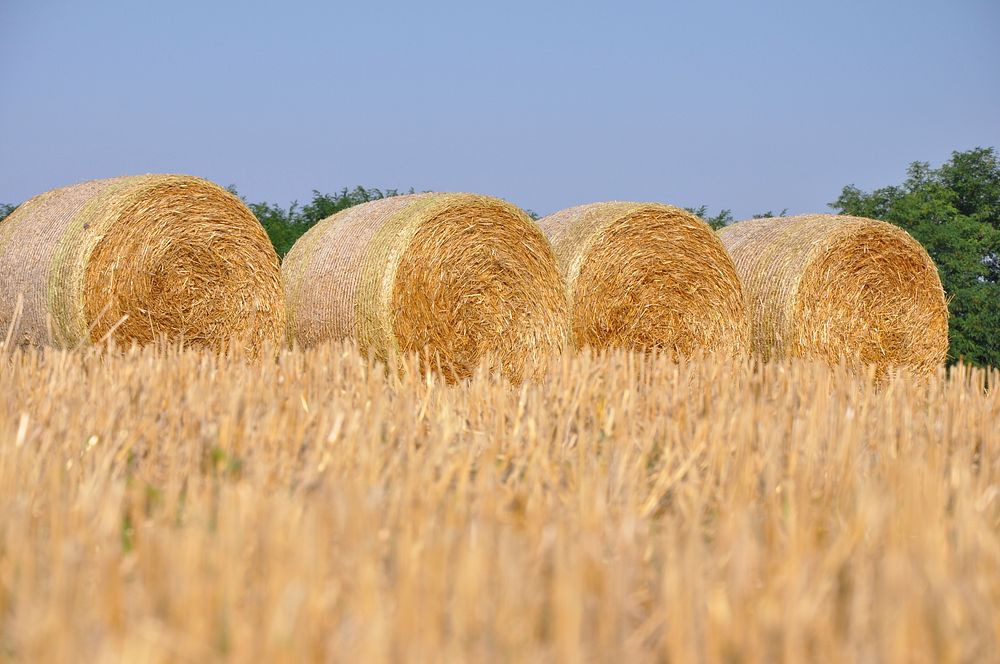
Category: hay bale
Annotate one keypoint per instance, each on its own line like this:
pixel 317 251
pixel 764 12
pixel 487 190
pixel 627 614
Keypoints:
pixel 136 258
pixel 647 276
pixel 840 288
pixel 456 277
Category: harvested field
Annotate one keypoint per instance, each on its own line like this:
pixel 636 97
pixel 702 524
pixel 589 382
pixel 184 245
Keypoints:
pixel 174 505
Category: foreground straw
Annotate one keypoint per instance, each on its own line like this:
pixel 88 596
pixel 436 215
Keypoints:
pixel 629 509
pixel 840 288
pixel 646 275
pixel 136 258
pixel 455 277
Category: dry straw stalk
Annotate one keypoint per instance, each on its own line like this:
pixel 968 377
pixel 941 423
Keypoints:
pixel 647 275
pixel 138 258
pixel 454 277
pixel 628 509
pixel 840 288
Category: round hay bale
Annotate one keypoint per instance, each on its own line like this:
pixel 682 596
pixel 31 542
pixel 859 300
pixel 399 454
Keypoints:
pixel 839 288
pixel 454 277
pixel 647 276
pixel 139 258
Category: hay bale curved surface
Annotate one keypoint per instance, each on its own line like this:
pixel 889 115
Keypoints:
pixel 647 276
pixel 456 277
pixel 840 288
pixel 136 258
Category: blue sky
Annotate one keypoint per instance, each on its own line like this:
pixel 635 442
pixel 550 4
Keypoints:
pixel 745 105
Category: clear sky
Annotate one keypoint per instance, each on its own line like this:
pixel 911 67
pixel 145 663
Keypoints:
pixel 749 105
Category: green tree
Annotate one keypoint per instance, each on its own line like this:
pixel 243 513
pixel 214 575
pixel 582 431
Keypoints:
pixel 324 205
pixel 954 211
pixel 286 225
pixel 769 214
pixel 5 210
pixel 280 224
pixel 724 218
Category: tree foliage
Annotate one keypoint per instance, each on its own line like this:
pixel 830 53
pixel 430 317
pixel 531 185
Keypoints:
pixel 286 225
pixel 954 211
pixel 724 218
pixel 769 214
pixel 5 210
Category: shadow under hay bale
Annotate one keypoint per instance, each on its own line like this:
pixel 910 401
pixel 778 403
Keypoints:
pixel 139 258
pixel 455 277
pixel 647 276
pixel 840 289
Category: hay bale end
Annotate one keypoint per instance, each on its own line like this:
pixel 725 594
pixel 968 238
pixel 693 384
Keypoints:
pixel 139 258
pixel 840 289
pixel 454 277
pixel 647 276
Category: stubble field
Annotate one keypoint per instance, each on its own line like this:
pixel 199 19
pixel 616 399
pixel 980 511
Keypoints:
pixel 171 506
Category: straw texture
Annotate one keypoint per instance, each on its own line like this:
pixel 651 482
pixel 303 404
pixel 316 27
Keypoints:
pixel 455 277
pixel 840 289
pixel 647 276
pixel 138 258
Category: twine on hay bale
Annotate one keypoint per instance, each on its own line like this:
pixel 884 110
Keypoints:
pixel 647 276
pixel 840 288
pixel 138 258
pixel 455 277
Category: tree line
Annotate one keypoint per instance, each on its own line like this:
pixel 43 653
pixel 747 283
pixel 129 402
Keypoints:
pixel 952 210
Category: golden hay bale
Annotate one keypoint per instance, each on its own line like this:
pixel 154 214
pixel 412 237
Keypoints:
pixel 647 275
pixel 456 277
pixel 134 258
pixel 840 288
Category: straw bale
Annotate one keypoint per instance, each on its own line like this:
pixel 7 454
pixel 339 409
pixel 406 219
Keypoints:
pixel 454 277
pixel 647 276
pixel 139 258
pixel 840 289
